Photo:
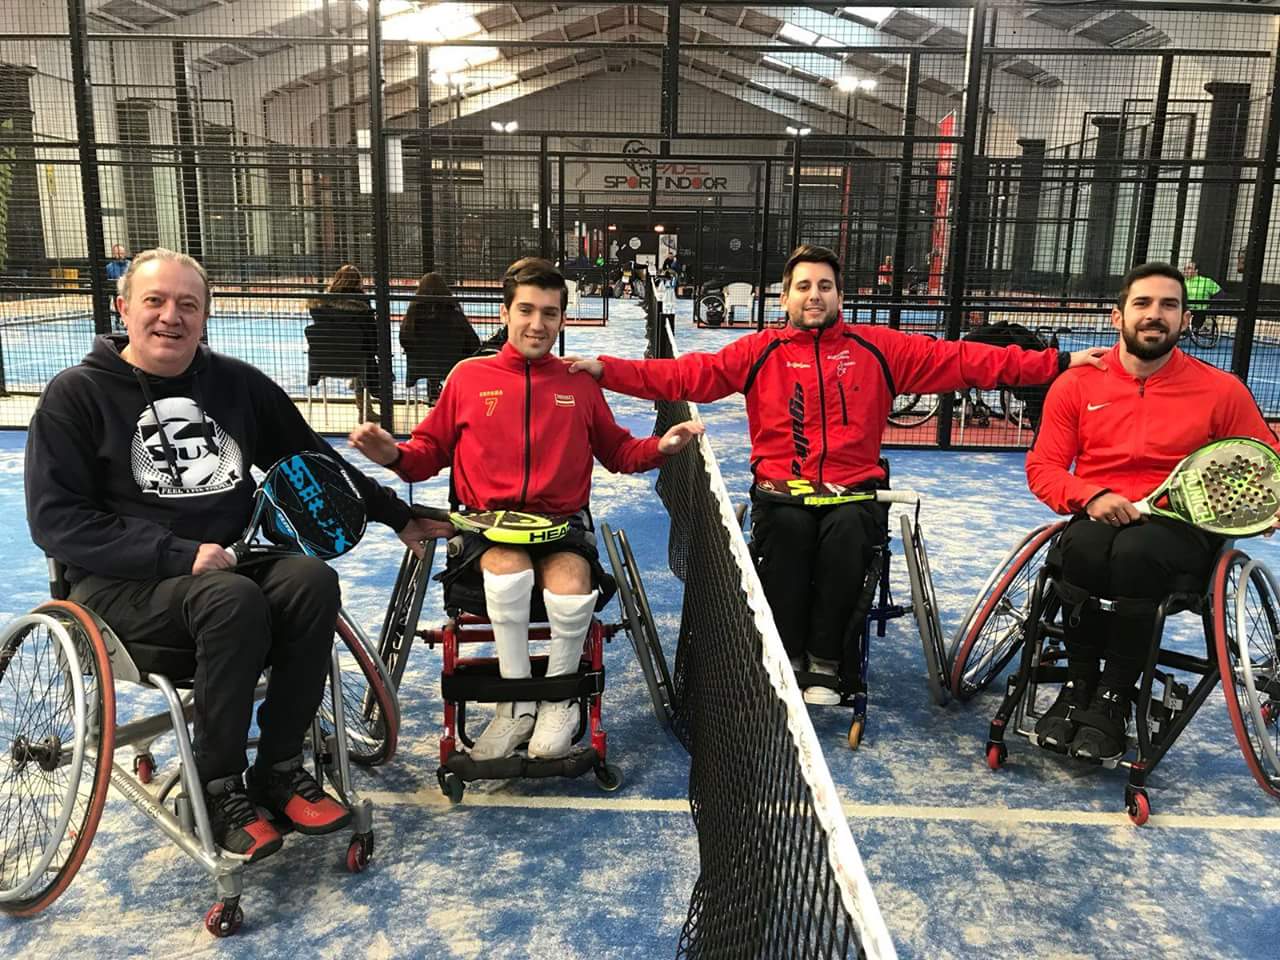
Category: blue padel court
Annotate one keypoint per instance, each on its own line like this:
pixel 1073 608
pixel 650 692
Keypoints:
pixel 1038 859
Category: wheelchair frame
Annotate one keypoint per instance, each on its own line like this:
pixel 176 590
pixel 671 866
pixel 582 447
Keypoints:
pixel 1159 717
pixel 476 679
pixel 877 594
pixel 90 657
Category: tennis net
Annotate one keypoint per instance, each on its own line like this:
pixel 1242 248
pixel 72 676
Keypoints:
pixel 780 875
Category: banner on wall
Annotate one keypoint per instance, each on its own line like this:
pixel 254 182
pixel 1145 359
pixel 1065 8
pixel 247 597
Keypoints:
pixel 940 242
pixel 675 177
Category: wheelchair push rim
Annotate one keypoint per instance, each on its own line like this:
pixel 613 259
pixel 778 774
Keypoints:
pixel 925 606
pixel 1245 634
pixel 78 682
pixel 371 708
pixel 992 602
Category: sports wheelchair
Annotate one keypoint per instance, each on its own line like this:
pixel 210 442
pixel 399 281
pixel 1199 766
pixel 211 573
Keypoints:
pixel 876 607
pixel 59 666
pixel 1020 610
pixel 475 679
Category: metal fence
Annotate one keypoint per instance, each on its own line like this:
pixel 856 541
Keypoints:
pixel 969 161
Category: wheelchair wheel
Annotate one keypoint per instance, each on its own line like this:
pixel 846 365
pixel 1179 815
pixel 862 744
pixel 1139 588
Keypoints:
pixel 638 622
pixel 1246 624
pixel 1207 335
pixel 925 604
pixel 995 626
pixel 913 409
pixel 57 738
pixel 370 706
pixel 403 611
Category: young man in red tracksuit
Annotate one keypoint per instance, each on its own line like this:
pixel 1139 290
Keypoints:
pixel 818 394
pixel 1125 427
pixel 519 432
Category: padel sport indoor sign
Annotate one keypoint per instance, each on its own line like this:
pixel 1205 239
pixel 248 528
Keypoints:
pixel 673 177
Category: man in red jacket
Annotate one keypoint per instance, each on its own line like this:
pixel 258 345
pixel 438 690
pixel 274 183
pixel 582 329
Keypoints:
pixel 519 432
pixel 1125 427
pixel 818 393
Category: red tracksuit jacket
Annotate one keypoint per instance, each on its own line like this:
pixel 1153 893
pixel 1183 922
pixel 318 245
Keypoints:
pixel 520 435
pixel 1125 435
pixel 817 399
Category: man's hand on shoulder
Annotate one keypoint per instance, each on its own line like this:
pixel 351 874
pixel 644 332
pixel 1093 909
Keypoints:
pixel 679 437
pixel 212 556
pixel 1091 355
pixel 375 443
pixel 582 365
pixel 1113 509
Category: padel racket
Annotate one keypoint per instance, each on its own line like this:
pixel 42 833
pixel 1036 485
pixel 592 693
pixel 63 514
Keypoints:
pixel 502 526
pixel 306 503
pixel 1229 487
pixel 810 493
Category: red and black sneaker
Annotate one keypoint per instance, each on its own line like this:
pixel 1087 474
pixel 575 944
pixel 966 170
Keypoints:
pixel 292 795
pixel 237 826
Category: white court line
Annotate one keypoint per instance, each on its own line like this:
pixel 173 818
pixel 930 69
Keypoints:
pixel 994 816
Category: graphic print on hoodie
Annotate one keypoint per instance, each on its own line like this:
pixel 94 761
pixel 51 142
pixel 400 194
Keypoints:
pixel 207 459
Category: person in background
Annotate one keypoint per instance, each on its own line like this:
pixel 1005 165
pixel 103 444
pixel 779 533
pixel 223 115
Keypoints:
pixel 1200 290
pixel 435 335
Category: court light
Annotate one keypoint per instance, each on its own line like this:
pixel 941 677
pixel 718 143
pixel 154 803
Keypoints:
pixel 799 131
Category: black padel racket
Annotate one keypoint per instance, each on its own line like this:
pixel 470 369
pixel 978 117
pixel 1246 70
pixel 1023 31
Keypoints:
pixel 1229 487
pixel 307 504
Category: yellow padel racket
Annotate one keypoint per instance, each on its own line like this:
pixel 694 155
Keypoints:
pixel 502 526
pixel 810 493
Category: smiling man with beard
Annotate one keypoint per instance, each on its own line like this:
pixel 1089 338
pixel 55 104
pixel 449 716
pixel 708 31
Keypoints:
pixel 818 393
pixel 1124 428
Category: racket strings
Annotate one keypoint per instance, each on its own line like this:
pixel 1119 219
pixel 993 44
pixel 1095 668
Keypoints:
pixel 1239 487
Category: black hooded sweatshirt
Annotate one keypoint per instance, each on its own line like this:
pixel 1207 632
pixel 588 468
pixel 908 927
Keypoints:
pixel 108 495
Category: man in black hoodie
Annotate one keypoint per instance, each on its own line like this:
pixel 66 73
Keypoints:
pixel 137 476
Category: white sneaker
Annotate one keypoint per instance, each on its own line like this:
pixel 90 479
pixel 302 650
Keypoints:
pixel 553 733
pixel 823 696
pixel 505 732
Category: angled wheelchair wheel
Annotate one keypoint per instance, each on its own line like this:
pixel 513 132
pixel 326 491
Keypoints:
pixel 925 605
pixel 1207 334
pixel 638 622
pixel 1246 625
pixel 370 706
pixel 913 409
pixel 995 626
pixel 57 737
pixel 403 610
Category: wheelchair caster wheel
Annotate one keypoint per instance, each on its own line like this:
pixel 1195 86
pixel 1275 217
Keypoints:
pixel 144 767
pixel 855 733
pixel 224 917
pixel 451 785
pixel 360 852
pixel 608 777
pixel 1139 807
pixel 997 753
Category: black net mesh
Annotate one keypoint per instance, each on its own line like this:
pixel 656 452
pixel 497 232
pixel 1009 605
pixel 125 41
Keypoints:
pixel 780 876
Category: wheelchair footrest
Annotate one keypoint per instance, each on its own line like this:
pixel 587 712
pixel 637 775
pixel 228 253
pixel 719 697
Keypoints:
pixel 576 763
pixel 480 682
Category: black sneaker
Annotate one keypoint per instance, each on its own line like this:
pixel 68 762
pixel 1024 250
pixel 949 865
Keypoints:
pixel 1056 729
pixel 292 796
pixel 1102 725
pixel 237 826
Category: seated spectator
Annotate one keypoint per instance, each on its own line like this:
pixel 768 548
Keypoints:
pixel 435 334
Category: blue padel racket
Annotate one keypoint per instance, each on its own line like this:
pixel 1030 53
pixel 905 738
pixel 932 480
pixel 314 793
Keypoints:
pixel 1229 487
pixel 810 493
pixel 307 504
pixel 502 526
